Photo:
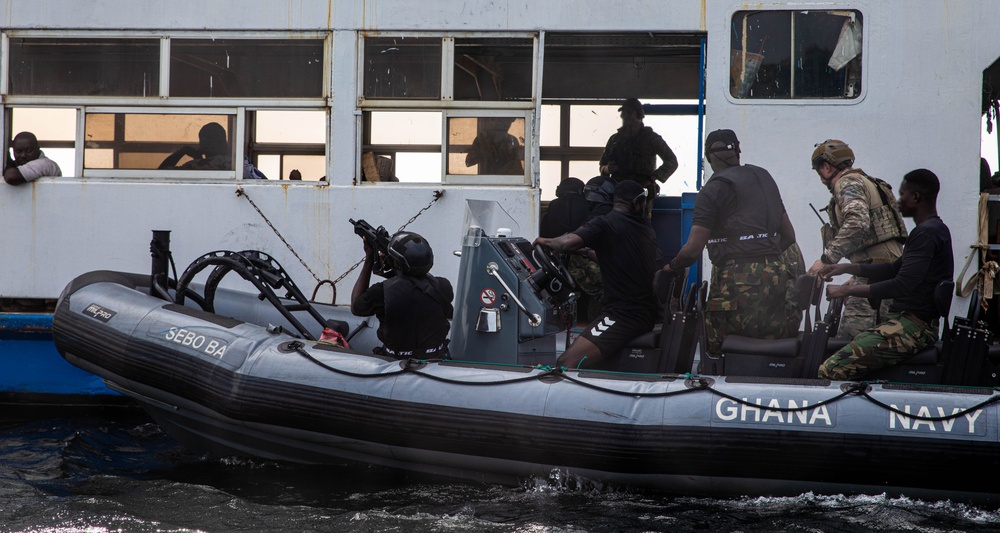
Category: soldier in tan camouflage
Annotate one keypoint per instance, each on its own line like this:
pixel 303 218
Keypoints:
pixel 865 226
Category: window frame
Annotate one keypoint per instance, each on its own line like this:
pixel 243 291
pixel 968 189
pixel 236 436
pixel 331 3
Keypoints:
pixel 487 179
pixel 451 108
pixel 239 130
pixel 160 102
pixel 798 101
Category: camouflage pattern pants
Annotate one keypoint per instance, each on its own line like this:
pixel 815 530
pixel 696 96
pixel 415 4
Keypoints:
pixel 748 298
pixel 886 344
pixel 587 275
pixel 858 313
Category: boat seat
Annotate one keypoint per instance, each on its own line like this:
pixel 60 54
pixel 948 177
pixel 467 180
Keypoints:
pixel 746 356
pixel 927 365
pixel 770 347
pixel 650 339
pixel 832 345
pixel 663 347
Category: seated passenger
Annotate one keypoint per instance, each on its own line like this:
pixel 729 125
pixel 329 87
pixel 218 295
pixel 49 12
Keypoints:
pixel 626 251
pixel 212 153
pixel 413 308
pixel 29 161
pixel 912 322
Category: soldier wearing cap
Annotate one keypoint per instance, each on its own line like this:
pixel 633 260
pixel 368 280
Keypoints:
pixel 865 226
pixel 740 217
pixel 631 153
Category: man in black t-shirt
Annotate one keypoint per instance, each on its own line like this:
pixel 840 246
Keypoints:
pixel 912 322
pixel 740 218
pixel 625 245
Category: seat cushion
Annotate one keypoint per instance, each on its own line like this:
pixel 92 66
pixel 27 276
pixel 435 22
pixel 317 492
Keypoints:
pixel 738 344
pixel 650 339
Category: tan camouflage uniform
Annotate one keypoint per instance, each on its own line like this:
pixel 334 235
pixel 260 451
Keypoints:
pixel 856 207
pixel 884 345
pixel 749 298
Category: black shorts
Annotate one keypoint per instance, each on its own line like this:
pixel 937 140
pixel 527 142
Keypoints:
pixel 613 329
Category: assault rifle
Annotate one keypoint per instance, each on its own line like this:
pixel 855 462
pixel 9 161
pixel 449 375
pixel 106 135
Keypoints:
pixel 378 239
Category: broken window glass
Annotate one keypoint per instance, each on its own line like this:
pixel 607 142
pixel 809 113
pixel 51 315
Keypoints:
pixel 493 69
pixel 402 67
pixel 241 68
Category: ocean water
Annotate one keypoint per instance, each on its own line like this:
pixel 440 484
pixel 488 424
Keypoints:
pixel 123 474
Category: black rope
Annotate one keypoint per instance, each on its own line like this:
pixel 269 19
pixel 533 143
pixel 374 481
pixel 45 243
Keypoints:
pixel 698 383
pixel 957 414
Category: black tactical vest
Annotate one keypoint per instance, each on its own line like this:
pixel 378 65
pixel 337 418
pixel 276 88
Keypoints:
pixel 416 321
pixel 750 231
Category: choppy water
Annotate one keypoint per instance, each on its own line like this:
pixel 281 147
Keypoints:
pixel 97 475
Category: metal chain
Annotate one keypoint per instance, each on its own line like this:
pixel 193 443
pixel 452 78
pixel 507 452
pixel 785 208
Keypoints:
pixel 437 196
pixel 241 192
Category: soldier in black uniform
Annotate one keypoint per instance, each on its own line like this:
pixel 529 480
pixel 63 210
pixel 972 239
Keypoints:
pixel 626 250
pixel 632 151
pixel 413 308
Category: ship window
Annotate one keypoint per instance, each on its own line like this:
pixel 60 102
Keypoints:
pixel 239 68
pixel 796 54
pixel 160 141
pixel 491 145
pixel 55 129
pixel 493 69
pixel 402 67
pixel 403 146
pixel 84 67
pixel 285 140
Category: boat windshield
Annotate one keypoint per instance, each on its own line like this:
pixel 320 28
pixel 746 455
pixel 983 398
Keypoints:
pixel 485 218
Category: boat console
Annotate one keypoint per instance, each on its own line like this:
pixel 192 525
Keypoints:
pixel 512 298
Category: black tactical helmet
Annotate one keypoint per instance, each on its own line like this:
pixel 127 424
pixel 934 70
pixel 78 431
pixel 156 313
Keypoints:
pixel 411 254
pixel 833 151
pixel 600 190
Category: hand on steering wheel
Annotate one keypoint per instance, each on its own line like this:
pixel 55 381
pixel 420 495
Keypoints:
pixel 551 265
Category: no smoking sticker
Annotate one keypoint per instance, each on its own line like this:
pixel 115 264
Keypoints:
pixel 488 297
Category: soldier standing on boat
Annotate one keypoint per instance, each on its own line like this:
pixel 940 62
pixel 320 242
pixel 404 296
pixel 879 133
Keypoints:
pixel 740 217
pixel 865 225
pixel 631 154
pixel 911 324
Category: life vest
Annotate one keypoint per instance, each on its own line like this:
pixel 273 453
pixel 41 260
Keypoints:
pixel 415 315
pixel 883 243
pixel 751 230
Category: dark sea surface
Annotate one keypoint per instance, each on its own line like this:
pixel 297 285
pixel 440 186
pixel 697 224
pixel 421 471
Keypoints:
pixel 123 474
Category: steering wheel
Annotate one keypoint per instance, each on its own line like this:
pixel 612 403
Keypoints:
pixel 552 266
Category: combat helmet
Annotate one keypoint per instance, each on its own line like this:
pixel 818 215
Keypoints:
pixel 600 190
pixel 835 152
pixel 411 254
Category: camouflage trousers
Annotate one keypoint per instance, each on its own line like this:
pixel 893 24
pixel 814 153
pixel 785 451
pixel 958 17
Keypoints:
pixel 586 274
pixel 858 313
pixel 886 344
pixel 749 298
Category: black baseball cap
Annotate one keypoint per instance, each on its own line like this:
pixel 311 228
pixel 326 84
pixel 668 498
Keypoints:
pixel 727 137
pixel 633 104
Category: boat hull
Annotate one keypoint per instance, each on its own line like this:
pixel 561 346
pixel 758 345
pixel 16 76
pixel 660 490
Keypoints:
pixel 274 396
